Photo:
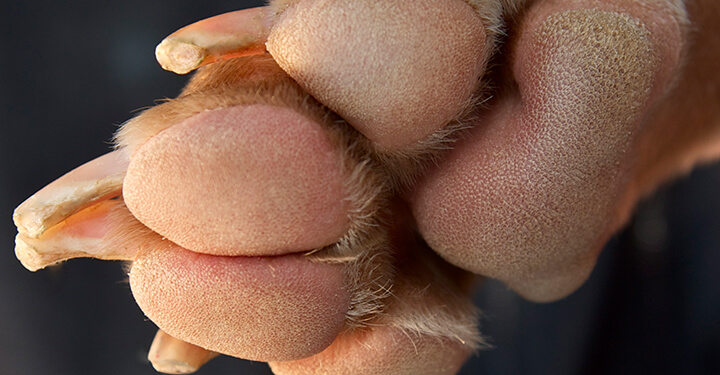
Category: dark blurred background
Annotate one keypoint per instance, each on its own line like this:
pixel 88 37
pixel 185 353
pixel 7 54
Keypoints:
pixel 71 71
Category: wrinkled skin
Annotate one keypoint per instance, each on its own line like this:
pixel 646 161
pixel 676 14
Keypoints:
pixel 590 106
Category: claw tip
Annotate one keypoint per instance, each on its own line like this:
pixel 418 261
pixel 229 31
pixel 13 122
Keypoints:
pixel 28 255
pixel 173 367
pixel 179 56
pixel 26 219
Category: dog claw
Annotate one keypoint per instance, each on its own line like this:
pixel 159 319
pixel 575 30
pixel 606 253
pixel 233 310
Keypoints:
pixel 89 184
pixel 174 356
pixel 221 37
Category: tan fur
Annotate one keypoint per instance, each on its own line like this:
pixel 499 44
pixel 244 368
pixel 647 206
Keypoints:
pixel 429 327
pixel 431 300
pixel 241 81
pixel 404 166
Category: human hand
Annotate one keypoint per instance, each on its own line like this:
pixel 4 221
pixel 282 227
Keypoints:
pixel 508 160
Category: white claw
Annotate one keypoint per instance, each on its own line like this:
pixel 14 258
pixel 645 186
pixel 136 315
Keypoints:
pixel 80 236
pixel 228 35
pixel 173 356
pixel 92 182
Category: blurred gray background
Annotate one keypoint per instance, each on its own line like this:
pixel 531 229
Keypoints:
pixel 71 71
